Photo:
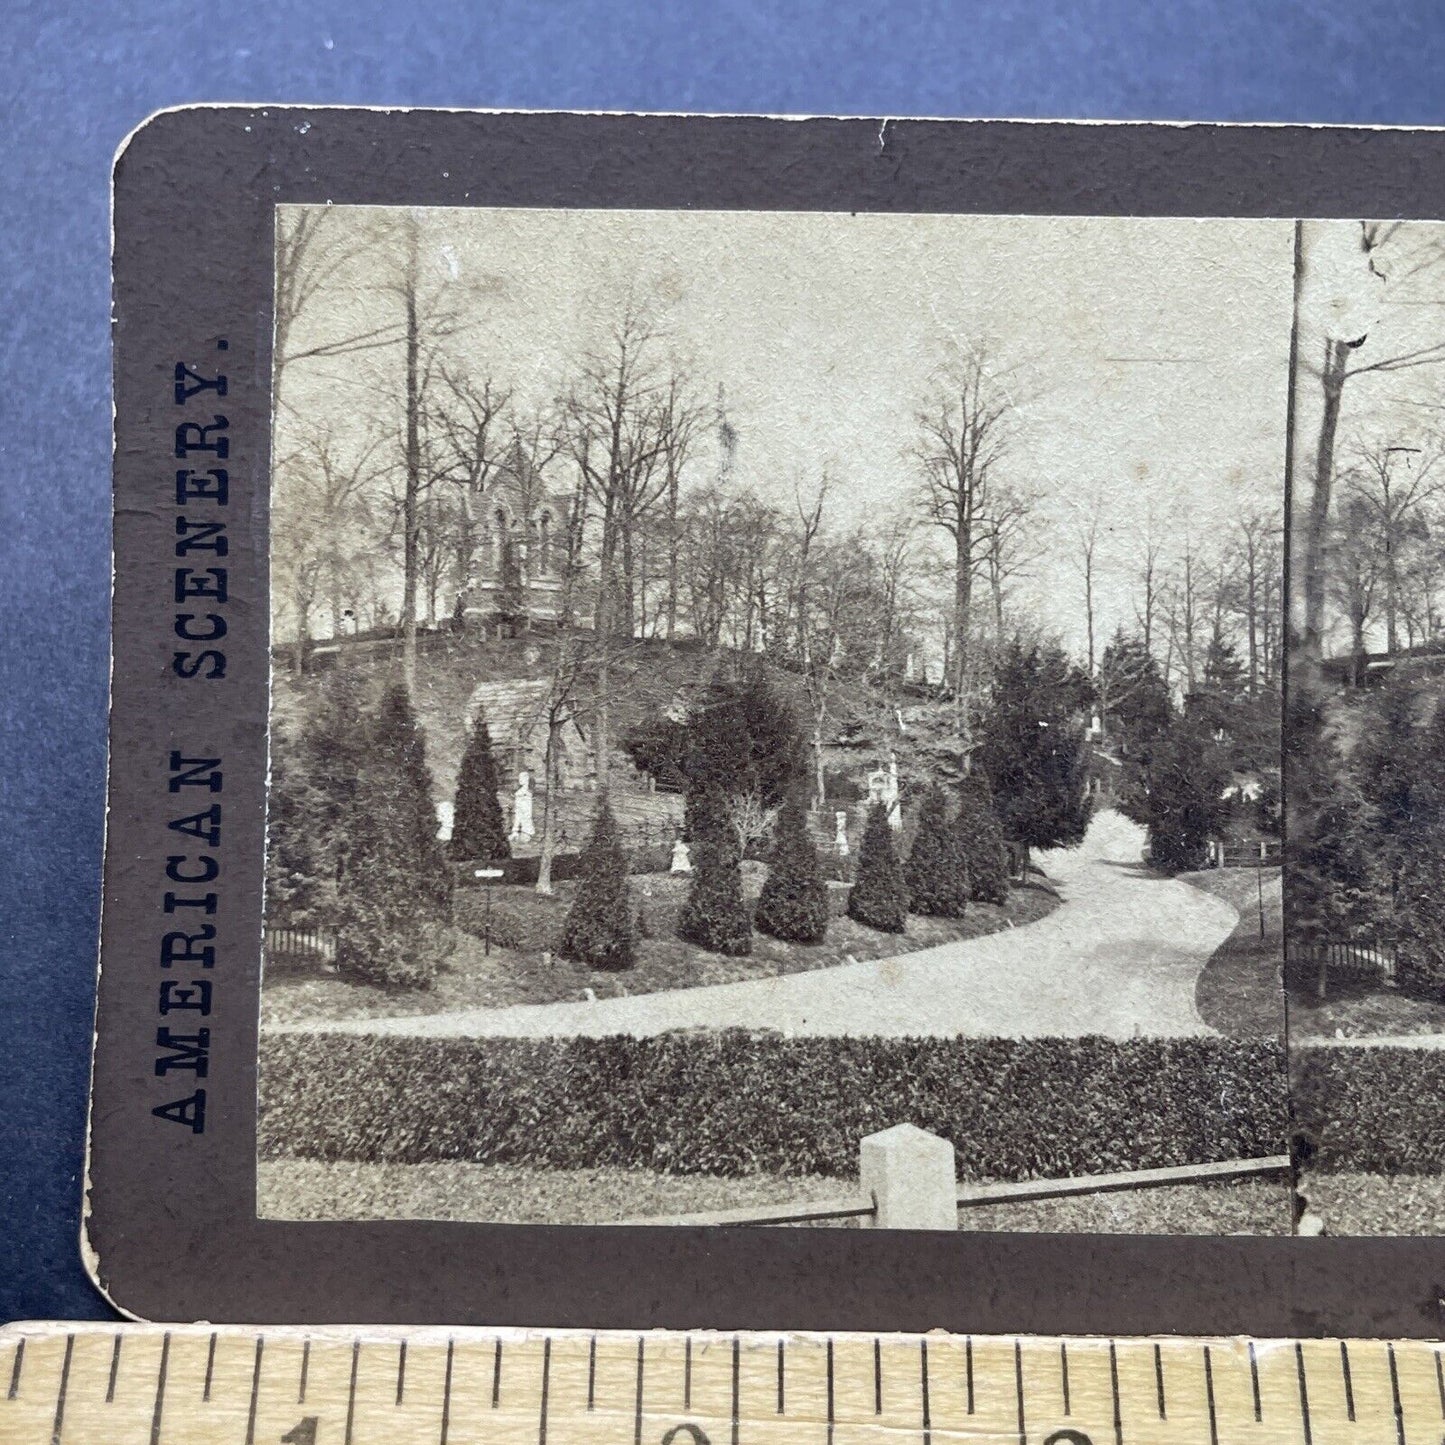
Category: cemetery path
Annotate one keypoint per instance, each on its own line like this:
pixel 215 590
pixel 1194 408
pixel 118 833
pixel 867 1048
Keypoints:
pixel 1119 957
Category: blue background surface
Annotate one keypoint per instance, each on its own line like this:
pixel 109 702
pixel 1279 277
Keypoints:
pixel 74 78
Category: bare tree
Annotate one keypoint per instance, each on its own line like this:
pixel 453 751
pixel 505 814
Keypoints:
pixel 964 430
pixel 1256 546
pixel 1389 486
pixel 1011 545
pixel 316 246
pixel 321 495
pixel 1085 553
pixel 1395 250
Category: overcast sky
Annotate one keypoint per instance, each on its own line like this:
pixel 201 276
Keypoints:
pixel 1148 358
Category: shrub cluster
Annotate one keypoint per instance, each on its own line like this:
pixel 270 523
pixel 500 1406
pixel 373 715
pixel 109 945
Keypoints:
pixel 1371 1110
pixel 937 870
pixel 737 1103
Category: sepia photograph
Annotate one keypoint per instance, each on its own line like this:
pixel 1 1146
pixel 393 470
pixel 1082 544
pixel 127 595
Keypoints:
pixel 775 717
pixel 1365 732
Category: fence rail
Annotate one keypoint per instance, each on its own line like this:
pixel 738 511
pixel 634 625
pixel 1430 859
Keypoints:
pixel 1355 959
pixel 1266 853
pixel 907 1180
pixel 300 943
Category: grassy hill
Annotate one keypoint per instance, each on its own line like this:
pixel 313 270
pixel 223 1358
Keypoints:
pixel 648 677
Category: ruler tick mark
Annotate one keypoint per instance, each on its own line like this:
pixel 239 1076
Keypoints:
pixel 114 1367
pixel 830 1390
pixel 1440 1383
pixel 1064 1373
pixel 255 1391
pixel 1395 1395
pixel 160 1389
pixel 592 1372
pixel 1304 1392
pixel 968 1370
pixel 637 1408
pixel 447 1393
pixel 211 1370
pixel 401 1373
pixel 736 1348
pixel 1018 1391
pixel 1254 1382
pixel 687 1374
pixel 305 1366
pixel 15 1370
pixel 1209 1397
pixel 877 1375
pixel 923 1381
pixel 1114 1390
pixel 350 1390
pixel 59 1425
pixel 546 1380
pixel 1159 1382
pixel 781 1367
pixel 497 1375
pixel 1349 1384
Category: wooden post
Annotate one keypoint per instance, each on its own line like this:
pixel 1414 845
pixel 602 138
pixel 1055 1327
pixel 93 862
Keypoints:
pixel 910 1174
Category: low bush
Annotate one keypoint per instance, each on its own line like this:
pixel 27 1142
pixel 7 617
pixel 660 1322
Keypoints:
pixel 738 1103
pixel 1370 1110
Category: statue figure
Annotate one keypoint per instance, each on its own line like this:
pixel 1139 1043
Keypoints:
pixel 522 808
pixel 840 833
pixel 890 794
pixel 681 857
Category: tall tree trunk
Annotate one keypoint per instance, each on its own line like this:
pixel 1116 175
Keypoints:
pixel 412 494
pixel 549 811
pixel 962 603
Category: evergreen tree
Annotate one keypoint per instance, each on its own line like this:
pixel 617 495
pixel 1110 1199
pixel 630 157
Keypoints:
pixel 399 736
pixel 1035 749
pixel 981 840
pixel 600 930
pixel 478 828
pixel 1136 712
pixel 879 896
pixel 1186 803
pixel 775 743
pixel 937 870
pixel 719 755
pixel 300 890
pixel 793 905
pixel 1419 915
pixel 388 930
pixel 333 747
pixel 1329 892
pixel 715 916
pixel 1391 769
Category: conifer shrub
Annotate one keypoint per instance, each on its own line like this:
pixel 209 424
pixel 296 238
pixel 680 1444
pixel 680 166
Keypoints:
pixel 600 930
pixel 387 932
pixel 879 898
pixel 398 736
pixel 981 840
pixel 478 828
pixel 716 915
pixel 793 904
pixel 936 871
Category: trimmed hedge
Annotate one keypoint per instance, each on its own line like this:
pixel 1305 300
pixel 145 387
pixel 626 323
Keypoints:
pixel 1373 1110
pixel 738 1103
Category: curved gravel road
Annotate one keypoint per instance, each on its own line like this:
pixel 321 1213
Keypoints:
pixel 1119 956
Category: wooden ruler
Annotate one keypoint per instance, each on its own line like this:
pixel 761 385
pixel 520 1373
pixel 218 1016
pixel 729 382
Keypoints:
pixel 193 1385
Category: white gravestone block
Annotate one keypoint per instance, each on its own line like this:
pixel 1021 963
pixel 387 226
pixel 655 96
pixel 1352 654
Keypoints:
pixel 911 1175
pixel 681 857
pixel 840 834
